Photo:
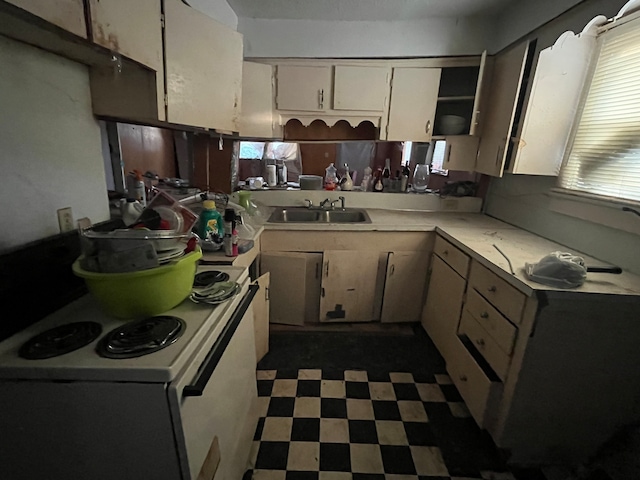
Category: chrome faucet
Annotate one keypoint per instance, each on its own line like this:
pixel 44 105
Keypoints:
pixel 336 201
pixel 326 201
pixel 308 203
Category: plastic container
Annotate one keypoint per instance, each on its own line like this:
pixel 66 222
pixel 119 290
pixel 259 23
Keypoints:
pixel 179 217
pixel 130 210
pixel 210 223
pixel 272 180
pixel 330 177
pixel 138 189
pixel 365 186
pixel 143 293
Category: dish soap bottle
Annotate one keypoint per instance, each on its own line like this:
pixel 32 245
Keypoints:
pixel 347 183
pixel 330 177
pixel 211 223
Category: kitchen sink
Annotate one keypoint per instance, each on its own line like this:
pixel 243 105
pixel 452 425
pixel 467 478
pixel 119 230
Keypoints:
pixel 306 215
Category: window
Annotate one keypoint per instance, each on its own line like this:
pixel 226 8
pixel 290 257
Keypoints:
pixel 604 155
pixel 437 158
pixel 254 156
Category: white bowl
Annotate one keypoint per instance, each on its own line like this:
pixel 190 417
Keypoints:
pixel 451 124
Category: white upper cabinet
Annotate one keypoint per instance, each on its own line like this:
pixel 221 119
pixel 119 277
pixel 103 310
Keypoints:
pixel 412 109
pixel 454 152
pixel 257 100
pixel 361 88
pixel 560 74
pixel 501 104
pixel 67 14
pixel 303 88
pixel 204 69
pixel 135 33
pixel 460 94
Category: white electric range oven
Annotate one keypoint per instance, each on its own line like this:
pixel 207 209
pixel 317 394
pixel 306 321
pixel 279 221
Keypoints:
pixel 168 397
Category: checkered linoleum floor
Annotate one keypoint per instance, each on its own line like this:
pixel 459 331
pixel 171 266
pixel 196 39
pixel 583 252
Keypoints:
pixel 353 424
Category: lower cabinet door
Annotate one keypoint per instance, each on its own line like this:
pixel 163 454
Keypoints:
pixel 294 286
pixel 441 313
pixel 349 279
pixel 261 316
pixel 404 286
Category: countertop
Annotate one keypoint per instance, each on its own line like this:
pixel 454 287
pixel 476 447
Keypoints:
pixel 242 260
pixel 476 234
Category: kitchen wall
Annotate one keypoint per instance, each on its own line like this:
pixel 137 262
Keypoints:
pixel 520 18
pixel 307 38
pixel 217 9
pixel 523 200
pixel 51 146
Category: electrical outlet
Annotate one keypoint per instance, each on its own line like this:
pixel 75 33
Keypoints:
pixel 65 219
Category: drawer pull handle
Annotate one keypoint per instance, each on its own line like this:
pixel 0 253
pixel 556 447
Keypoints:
pixel 463 378
pixel 484 315
pixel 480 342
pixel 492 289
pixel 446 252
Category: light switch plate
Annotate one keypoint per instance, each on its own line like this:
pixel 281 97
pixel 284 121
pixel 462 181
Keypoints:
pixel 65 219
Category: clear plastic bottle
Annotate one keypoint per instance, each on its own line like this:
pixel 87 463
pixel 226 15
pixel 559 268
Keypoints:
pixel 330 177
pixel 365 186
pixel 210 222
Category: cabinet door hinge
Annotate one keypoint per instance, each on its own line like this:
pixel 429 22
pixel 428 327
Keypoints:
pixel 322 292
pixel 266 294
pixel 162 20
pixel 166 100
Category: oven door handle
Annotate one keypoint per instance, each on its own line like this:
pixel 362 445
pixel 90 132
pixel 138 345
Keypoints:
pixel 215 354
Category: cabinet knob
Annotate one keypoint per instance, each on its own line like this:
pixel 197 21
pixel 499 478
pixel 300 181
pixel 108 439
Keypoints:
pixel 463 378
pixel 480 342
pixel 446 252
pixel 492 288
pixel 484 315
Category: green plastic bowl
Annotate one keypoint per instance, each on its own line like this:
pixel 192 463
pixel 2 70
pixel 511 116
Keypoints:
pixel 143 293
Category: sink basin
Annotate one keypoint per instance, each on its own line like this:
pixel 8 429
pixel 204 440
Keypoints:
pixel 305 215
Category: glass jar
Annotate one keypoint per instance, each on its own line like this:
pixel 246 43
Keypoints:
pixel 420 178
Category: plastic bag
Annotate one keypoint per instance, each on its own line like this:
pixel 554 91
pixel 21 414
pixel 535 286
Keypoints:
pixel 558 269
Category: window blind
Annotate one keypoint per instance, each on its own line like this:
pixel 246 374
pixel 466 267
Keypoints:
pixel 604 158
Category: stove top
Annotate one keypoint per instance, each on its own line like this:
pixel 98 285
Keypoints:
pixel 60 340
pixel 159 359
pixel 141 337
pixel 209 277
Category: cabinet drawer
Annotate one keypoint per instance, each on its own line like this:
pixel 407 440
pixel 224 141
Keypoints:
pixel 502 330
pixel 487 346
pixel 453 256
pixel 479 388
pixel 507 299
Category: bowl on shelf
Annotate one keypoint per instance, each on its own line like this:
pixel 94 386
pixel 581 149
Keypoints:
pixel 451 124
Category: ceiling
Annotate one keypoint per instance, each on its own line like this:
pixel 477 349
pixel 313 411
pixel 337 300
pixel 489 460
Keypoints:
pixel 365 10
